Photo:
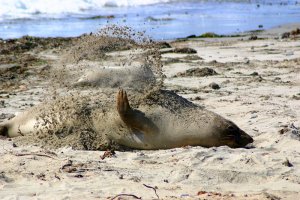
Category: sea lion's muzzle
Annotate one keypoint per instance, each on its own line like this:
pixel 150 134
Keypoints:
pixel 234 137
pixel 243 139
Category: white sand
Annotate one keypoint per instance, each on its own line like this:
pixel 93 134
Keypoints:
pixel 261 107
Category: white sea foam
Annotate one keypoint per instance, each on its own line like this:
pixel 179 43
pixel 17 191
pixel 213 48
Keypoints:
pixel 14 9
pixel 29 8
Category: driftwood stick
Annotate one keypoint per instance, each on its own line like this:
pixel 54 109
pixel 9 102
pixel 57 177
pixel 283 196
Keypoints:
pixel 35 154
pixel 128 195
pixel 154 188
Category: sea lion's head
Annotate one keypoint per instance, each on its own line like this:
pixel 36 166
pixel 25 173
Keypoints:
pixel 231 135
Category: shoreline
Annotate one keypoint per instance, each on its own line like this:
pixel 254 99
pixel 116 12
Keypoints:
pixel 273 31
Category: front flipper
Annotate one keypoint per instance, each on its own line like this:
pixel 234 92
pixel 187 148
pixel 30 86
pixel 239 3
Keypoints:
pixel 134 119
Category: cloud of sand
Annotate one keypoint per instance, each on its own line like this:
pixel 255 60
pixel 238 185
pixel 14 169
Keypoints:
pixel 91 61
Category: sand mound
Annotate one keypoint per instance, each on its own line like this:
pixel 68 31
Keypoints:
pixel 198 72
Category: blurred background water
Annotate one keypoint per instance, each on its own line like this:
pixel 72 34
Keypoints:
pixel 161 19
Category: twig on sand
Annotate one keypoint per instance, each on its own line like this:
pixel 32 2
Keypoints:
pixel 154 188
pixel 35 154
pixel 19 131
pixel 128 195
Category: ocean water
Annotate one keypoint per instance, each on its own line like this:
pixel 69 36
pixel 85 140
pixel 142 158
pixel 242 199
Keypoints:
pixel 160 19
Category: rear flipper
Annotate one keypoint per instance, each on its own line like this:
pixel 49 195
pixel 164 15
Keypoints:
pixel 134 119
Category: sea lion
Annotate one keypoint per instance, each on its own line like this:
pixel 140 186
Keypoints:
pixel 162 120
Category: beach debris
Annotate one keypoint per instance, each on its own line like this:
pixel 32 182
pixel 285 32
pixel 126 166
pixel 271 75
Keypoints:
pixel 296 97
pixel 197 72
pixel 214 86
pixel 253 37
pixel 295 130
pixel 209 35
pixel 56 176
pixel 201 192
pixel 68 167
pixel 26 43
pixel 197 98
pixel 163 45
pixel 78 175
pixel 125 195
pixel 185 50
pixel 153 19
pixel 287 163
pixel 253 116
pixel 283 130
pixel 41 176
pixel 277 79
pixel 184 195
pixel 77 168
pixel 35 154
pixel 295 32
pixel 98 17
pixel 208 193
pixel 271 196
pixel 257 78
pixel 285 35
pixel 45 68
pixel 254 74
pixel 192 57
pixel 15 68
pixel 213 62
pixel 135 179
pixel 108 154
pixel 154 188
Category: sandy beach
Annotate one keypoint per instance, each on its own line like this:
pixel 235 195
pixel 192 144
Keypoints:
pixel 252 79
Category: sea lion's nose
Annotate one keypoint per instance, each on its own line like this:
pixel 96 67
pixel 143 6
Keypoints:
pixel 244 138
